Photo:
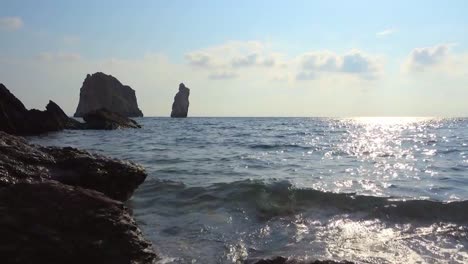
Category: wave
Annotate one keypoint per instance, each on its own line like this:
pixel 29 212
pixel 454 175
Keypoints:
pixel 281 198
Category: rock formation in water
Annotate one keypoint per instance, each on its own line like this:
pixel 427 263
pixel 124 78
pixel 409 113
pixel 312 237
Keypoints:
pixel 104 119
pixel 63 205
pixel 16 119
pixel 181 102
pixel 105 91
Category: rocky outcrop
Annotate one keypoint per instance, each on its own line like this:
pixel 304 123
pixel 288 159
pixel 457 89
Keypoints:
pixel 104 119
pixel 181 102
pixel 59 205
pixel 51 222
pixel 105 91
pixel 16 119
pixel 23 162
pixel 282 260
pixel 62 118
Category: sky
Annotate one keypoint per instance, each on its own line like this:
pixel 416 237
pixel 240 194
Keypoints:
pixel 244 58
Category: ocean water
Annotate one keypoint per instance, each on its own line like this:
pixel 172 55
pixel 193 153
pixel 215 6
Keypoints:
pixel 222 190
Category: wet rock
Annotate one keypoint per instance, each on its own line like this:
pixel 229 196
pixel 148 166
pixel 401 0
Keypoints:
pixel 23 162
pixel 51 222
pixel 104 119
pixel 105 91
pixel 181 102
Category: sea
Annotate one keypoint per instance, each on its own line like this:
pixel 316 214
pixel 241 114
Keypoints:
pixel 225 190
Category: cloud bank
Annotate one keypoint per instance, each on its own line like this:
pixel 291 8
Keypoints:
pixel 10 23
pixel 234 59
pixel 355 63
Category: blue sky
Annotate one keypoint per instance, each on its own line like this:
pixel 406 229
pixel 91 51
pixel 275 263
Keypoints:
pixel 244 58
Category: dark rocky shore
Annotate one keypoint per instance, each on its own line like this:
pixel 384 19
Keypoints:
pixel 63 205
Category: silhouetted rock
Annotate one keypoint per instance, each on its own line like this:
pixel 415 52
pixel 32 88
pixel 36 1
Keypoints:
pixel 181 102
pixel 104 119
pixel 23 162
pixel 65 121
pixel 16 119
pixel 51 222
pixel 282 260
pixel 105 91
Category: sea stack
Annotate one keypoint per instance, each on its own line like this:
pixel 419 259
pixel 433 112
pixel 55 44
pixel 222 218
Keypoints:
pixel 181 102
pixel 100 90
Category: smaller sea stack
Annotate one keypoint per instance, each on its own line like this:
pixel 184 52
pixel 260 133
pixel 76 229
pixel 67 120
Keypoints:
pixel 181 102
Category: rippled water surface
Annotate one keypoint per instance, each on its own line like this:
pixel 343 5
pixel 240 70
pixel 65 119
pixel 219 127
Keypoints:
pixel 221 190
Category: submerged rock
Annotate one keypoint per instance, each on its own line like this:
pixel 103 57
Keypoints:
pixel 181 102
pixel 23 162
pixel 105 91
pixel 105 119
pixel 16 119
pixel 51 222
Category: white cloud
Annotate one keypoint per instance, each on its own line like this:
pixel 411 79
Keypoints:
pixel 222 75
pixel 58 56
pixel 421 59
pixel 10 23
pixel 245 61
pixel 236 58
pixel 354 62
pixel 199 59
pixel 232 57
pixel 386 32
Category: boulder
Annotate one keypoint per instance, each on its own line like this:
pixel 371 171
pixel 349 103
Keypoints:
pixel 100 90
pixel 181 102
pixel 105 119
pixel 50 222
pixel 16 119
pixel 23 162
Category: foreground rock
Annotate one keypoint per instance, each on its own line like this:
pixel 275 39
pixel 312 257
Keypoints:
pixel 23 162
pixel 16 119
pixel 105 91
pixel 54 223
pixel 181 102
pixel 282 260
pixel 59 205
pixel 104 119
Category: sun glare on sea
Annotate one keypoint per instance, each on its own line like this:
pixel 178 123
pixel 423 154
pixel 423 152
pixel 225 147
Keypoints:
pixel 389 120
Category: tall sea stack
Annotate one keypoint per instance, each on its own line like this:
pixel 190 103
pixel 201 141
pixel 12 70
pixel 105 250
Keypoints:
pixel 100 90
pixel 181 102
